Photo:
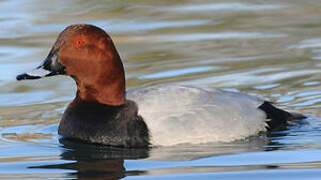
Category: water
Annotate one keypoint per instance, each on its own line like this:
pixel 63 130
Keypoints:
pixel 268 49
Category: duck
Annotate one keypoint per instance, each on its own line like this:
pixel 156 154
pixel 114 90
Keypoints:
pixel 165 115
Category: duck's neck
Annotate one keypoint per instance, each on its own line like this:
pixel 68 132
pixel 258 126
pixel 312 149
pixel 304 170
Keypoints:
pixel 103 92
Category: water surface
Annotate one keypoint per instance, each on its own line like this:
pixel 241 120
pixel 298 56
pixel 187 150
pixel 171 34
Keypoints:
pixel 268 49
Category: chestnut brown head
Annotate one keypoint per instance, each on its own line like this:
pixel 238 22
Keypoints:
pixel 88 55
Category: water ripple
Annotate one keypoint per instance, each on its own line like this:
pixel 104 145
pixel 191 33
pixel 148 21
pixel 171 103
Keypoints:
pixel 233 6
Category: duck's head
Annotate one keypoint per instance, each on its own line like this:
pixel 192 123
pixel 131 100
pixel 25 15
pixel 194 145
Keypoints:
pixel 88 55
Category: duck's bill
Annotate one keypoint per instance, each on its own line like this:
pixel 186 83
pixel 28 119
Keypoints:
pixel 35 74
pixel 50 67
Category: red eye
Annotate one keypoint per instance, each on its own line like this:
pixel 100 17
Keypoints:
pixel 78 42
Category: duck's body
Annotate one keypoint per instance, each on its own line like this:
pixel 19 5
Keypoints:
pixel 172 115
pixel 167 115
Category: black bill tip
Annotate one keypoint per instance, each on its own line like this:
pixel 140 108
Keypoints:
pixel 26 76
pixel 50 67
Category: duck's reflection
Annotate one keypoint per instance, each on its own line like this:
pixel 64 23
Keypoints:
pixel 90 161
pixel 96 161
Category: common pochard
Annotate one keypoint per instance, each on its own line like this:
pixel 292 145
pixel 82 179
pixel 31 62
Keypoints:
pixel 167 115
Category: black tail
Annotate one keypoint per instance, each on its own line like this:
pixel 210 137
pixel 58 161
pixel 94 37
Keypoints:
pixel 276 117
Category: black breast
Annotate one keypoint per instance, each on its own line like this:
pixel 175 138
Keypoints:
pixel 110 125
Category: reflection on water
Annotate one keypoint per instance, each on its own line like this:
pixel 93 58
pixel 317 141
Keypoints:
pixel 268 49
pixel 95 161
pixel 88 161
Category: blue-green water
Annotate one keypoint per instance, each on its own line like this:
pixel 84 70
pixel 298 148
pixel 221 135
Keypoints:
pixel 268 49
